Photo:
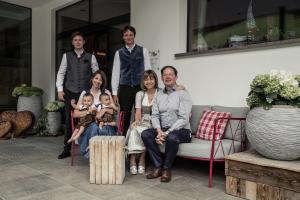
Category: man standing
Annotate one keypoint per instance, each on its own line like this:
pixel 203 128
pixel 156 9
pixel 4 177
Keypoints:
pixel 130 62
pixel 170 121
pixel 73 77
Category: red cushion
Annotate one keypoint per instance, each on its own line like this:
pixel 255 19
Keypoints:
pixel 206 125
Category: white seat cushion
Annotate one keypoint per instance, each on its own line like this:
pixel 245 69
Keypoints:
pixel 199 148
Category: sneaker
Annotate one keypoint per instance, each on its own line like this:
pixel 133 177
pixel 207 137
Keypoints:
pixel 141 170
pixel 133 170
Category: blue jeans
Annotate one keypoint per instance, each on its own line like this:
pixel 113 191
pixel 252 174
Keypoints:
pixel 91 131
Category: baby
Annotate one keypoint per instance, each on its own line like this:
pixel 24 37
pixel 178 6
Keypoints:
pixel 88 106
pixel 105 114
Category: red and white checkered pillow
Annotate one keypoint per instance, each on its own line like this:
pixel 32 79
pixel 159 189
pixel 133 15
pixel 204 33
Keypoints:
pixel 206 125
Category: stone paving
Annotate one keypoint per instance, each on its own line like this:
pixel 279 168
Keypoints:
pixel 30 170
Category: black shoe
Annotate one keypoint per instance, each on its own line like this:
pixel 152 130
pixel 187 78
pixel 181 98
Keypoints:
pixel 64 154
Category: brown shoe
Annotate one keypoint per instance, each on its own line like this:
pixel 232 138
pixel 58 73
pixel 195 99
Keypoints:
pixel 155 174
pixel 166 176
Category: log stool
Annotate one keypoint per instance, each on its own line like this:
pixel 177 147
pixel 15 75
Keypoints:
pixel 107 159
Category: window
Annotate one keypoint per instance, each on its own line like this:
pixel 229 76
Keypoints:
pixel 15 50
pixel 214 24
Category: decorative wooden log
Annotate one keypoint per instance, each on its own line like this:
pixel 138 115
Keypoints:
pixel 251 176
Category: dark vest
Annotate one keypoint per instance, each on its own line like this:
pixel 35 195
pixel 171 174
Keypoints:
pixel 79 72
pixel 132 66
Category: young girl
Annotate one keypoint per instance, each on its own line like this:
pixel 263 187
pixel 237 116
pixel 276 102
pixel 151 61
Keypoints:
pixel 87 105
pixel 105 116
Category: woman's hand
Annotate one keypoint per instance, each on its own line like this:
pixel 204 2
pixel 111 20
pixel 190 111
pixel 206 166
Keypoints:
pixel 135 124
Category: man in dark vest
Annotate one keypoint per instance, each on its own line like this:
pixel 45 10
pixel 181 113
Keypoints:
pixel 130 62
pixel 73 77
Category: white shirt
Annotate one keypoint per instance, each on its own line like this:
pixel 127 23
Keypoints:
pixel 96 96
pixel 140 101
pixel 63 68
pixel 81 106
pixel 115 79
pixel 102 106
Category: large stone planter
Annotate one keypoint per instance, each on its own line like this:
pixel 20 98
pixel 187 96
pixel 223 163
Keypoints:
pixel 32 104
pixel 54 122
pixel 275 133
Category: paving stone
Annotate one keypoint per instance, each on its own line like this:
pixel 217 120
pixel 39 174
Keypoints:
pixel 30 170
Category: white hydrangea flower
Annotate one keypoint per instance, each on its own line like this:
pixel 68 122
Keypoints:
pixel 285 78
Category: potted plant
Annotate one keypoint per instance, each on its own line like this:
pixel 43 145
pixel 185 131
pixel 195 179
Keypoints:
pixel 54 116
pixel 273 123
pixel 29 98
pixel 49 122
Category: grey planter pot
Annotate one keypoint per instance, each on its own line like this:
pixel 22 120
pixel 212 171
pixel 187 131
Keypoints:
pixel 32 104
pixel 275 133
pixel 54 122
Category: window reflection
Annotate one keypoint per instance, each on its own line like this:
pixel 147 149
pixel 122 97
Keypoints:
pixel 214 24
pixel 15 50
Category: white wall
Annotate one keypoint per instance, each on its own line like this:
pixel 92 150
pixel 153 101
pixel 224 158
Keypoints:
pixel 43 46
pixel 161 24
pixel 218 79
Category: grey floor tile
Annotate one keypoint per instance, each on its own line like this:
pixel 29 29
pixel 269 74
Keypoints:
pixel 150 194
pixel 4 162
pixel 26 186
pixel 64 192
pixel 189 187
pixel 109 191
pixel 14 172
pixel 29 169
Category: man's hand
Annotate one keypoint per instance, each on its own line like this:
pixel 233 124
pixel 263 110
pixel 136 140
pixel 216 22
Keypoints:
pixel 73 104
pixel 116 99
pixel 61 96
pixel 161 136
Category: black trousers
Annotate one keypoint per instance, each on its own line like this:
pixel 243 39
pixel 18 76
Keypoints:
pixel 172 142
pixel 68 97
pixel 127 100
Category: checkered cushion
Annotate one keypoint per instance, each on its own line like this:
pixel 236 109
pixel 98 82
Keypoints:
pixel 206 125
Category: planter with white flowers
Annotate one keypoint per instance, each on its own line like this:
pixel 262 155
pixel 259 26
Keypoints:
pixel 273 123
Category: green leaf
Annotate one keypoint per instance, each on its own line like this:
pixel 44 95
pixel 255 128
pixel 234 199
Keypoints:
pixel 258 90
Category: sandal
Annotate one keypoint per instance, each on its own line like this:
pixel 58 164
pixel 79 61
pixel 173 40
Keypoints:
pixel 133 170
pixel 141 170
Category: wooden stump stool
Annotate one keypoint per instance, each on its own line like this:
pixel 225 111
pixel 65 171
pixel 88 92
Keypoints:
pixel 107 159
